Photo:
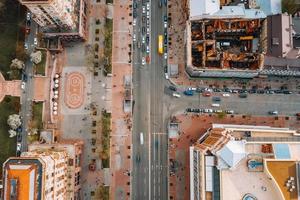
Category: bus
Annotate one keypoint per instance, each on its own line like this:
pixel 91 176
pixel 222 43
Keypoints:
pixel 160 44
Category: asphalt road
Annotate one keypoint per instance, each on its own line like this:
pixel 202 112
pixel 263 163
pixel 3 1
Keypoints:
pixel 254 104
pixel 149 174
pixel 27 94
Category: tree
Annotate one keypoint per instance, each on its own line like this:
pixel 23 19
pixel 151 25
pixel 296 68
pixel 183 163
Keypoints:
pixel 33 131
pixel 36 57
pixel 14 121
pixel 12 133
pixel 290 6
pixel 17 64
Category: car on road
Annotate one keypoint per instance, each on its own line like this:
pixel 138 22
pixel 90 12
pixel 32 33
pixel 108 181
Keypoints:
pixel 243 95
pixel 215 105
pixel 134 38
pixel 159 3
pixel 148 14
pixel 148 59
pixel 143 9
pixel 166 69
pixel 19 145
pixel 143 30
pixel 273 112
pixel 173 88
pixel 165 24
pixel 143 39
pixel 143 19
pixel 175 94
pixel 229 111
pixel 206 94
pixel 148 30
pixel 147 49
pixel 134 22
pixel 147 39
pixel 216 99
pixel 141 138
pixel 143 61
pixel 35 42
pixel 23 85
pixel 226 95
pixel 134 5
pixel 25 46
pixel 287 92
pixel 166 55
pixel 138 158
pixel 148 6
pixel 166 2
pixel 28 16
pixel 192 88
pixel 167 76
pixel 188 92
pixel 165 18
pixel 19 137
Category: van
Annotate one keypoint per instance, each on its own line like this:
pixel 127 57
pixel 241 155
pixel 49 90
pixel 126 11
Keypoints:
pixel 142 138
pixel 215 105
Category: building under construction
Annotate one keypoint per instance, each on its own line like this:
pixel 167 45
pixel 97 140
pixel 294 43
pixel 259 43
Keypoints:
pixel 233 39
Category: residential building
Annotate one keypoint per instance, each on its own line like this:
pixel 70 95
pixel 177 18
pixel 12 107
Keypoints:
pixel 66 18
pixel 230 41
pixel 45 172
pixel 280 35
pixel 245 162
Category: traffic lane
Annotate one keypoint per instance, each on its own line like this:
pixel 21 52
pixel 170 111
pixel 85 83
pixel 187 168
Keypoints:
pixel 253 104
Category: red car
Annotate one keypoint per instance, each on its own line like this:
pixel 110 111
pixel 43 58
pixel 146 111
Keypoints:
pixel 206 94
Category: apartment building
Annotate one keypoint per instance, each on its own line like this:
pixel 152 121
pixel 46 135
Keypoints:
pixel 245 162
pixel 45 172
pixel 66 18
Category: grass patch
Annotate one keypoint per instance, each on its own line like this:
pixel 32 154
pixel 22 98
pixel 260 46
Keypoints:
pixel 102 193
pixel 40 68
pixel 105 139
pixel 11 20
pixel 108 45
pixel 10 105
pixel 37 112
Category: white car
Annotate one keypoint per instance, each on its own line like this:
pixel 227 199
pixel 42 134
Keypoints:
pixel 35 42
pixel 143 61
pixel 23 85
pixel 144 9
pixel 147 49
pixel 165 24
pixel 28 16
pixel 167 76
pixel 148 14
pixel 19 146
pixel 192 88
pixel 210 110
pixel 215 105
pixel 25 46
pixel 148 6
pixel 175 94
pixel 166 55
pixel 134 37
pixel 229 111
pixel 226 95
pixel 143 40
pixel 148 30
pixel 134 22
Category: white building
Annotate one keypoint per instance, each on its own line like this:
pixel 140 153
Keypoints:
pixel 58 13
pixel 241 161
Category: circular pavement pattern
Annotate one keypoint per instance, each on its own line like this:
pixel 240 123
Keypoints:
pixel 74 90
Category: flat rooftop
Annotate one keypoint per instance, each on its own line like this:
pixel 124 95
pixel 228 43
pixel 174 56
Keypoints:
pixel 258 184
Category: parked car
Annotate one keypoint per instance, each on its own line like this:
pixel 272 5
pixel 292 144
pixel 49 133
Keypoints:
pixel 173 88
pixel 175 94
pixel 35 42
pixel 229 111
pixel 28 16
pixel 273 112
pixel 19 145
pixel 226 95
pixel 167 76
pixel 216 99
pixel 143 61
pixel 188 93
pixel 243 95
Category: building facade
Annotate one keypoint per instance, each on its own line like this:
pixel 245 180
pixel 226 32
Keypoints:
pixel 46 171
pixel 63 18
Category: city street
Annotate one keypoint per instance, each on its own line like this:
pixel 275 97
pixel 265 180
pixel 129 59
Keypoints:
pixel 27 94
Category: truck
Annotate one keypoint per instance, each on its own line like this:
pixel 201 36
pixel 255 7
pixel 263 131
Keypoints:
pixel 160 45
pixel 188 93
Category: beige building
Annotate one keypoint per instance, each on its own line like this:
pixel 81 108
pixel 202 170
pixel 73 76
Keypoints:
pixel 240 162
pixel 65 18
pixel 46 171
